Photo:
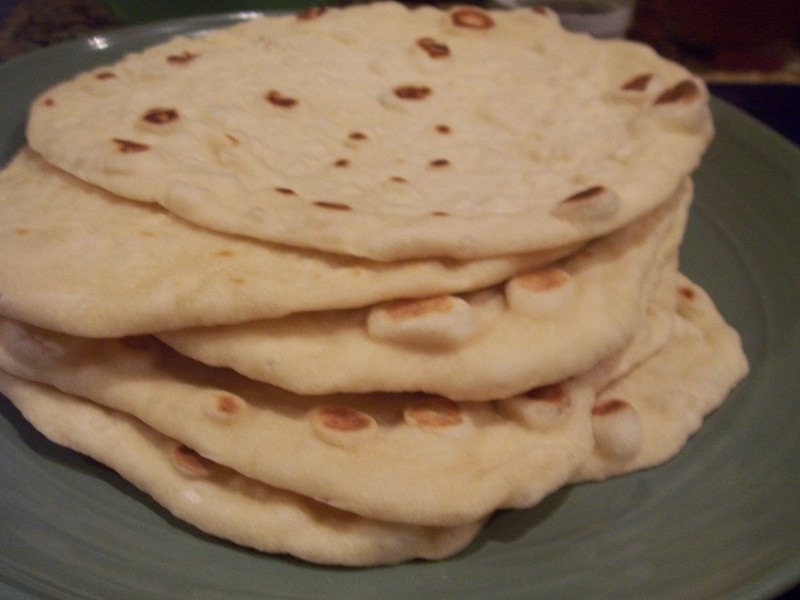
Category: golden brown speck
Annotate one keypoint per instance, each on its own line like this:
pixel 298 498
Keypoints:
pixel 343 418
pixel 342 162
pixel 357 135
pixel 129 147
pixel 286 191
pixel 683 91
pixel 332 205
pixel 102 75
pixel 434 413
pixel 433 48
pixel 439 163
pixel 472 18
pixel 412 92
pixel 586 194
pixel 608 407
pixel 278 99
pixel 638 83
pixel 160 116
pixel 400 310
pixel 444 129
pixel 397 179
pixel 182 58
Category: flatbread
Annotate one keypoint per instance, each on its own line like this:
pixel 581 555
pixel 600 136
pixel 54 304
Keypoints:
pixel 541 327
pixel 76 259
pixel 411 458
pixel 220 501
pixel 647 416
pixel 386 132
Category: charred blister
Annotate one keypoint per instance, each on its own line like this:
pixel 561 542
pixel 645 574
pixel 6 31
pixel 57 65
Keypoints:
pixel 189 462
pixel 333 205
pixel 433 48
pixel 129 146
pixel 685 92
pixel 160 116
pixel 276 98
pixel 183 58
pixel 638 83
pixel 412 92
pixel 342 426
pixel 471 18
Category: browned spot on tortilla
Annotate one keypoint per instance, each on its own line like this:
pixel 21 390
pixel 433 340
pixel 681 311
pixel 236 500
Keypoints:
pixel 357 135
pixel 182 58
pixel 189 460
pixel 49 102
pixel 225 253
pixel 587 194
pixel 440 213
pixel 20 231
pixel 434 413
pixel 129 146
pixel 683 91
pixel 237 280
pixel 687 292
pixel 139 342
pixel 332 205
pixel 400 310
pixel 609 407
pixel 232 139
pixel 539 9
pixel 104 75
pixel 412 92
pixel 278 99
pixel 439 163
pixel 548 393
pixel 398 179
pixel 638 83
pixel 311 13
pixel 433 48
pixel 471 18
pixel 286 191
pixel 228 404
pixel 443 129
pixel 342 162
pixel 548 278
pixel 343 418
pixel 146 233
pixel 160 116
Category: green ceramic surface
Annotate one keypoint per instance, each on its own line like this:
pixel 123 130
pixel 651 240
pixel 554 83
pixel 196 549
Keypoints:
pixel 721 520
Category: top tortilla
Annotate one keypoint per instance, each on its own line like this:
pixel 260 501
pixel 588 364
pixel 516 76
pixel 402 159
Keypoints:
pixel 387 133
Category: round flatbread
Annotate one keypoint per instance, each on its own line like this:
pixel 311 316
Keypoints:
pixel 645 417
pixel 220 501
pixel 540 327
pixel 387 132
pixel 77 259
pixel 411 458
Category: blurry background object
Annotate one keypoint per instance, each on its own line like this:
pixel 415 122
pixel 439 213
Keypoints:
pixel 600 18
pixel 741 35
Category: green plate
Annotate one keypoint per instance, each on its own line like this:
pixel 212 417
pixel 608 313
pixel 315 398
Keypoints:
pixel 720 520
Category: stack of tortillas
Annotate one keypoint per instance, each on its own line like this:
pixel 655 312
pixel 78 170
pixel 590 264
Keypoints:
pixel 342 284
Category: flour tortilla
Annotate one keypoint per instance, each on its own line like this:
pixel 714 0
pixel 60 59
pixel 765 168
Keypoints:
pixel 647 416
pixel 386 132
pixel 406 458
pixel 76 259
pixel 220 501
pixel 541 327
